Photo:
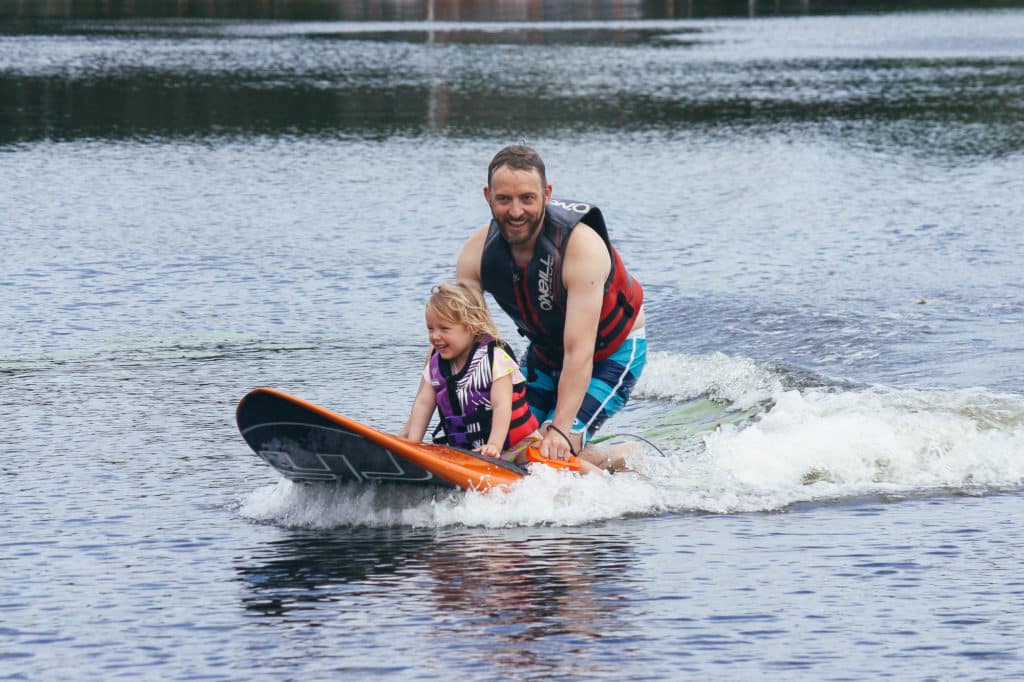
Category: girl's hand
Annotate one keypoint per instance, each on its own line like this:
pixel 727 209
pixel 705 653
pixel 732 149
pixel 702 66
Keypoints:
pixel 489 450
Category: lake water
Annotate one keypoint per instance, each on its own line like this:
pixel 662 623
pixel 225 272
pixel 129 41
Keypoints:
pixel 826 213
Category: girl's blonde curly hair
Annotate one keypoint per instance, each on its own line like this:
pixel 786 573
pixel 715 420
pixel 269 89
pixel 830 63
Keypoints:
pixel 463 304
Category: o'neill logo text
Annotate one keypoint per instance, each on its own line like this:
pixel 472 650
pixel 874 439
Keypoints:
pixel 544 282
pixel 575 207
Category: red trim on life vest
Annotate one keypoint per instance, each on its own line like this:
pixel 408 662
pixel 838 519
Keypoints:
pixel 621 282
pixel 526 309
pixel 522 414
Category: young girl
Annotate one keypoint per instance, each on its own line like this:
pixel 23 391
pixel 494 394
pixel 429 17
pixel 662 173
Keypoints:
pixel 472 379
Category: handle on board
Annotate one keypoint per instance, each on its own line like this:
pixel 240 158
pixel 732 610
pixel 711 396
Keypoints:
pixel 572 464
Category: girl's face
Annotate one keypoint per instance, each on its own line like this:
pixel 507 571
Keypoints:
pixel 452 340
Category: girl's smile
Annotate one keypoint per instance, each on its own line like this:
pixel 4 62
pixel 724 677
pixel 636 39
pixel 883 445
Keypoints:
pixel 452 340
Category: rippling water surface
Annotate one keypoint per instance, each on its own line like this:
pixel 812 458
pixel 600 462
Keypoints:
pixel 825 212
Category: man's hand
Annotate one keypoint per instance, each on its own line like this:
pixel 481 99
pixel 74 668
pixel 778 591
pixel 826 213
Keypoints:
pixel 556 446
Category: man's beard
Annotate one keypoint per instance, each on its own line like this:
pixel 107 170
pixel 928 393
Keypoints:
pixel 524 237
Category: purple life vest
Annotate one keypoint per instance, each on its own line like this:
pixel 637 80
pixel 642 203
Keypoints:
pixel 464 400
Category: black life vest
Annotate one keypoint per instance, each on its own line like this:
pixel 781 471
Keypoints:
pixel 534 295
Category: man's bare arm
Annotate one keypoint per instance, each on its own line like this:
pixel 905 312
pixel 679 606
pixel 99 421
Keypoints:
pixel 584 273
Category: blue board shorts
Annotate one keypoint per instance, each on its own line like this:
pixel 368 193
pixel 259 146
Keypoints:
pixel 611 383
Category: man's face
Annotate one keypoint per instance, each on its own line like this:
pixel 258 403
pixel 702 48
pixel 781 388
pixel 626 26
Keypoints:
pixel 517 199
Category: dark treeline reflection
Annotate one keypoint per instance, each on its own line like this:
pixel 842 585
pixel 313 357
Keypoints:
pixel 461 10
pixel 158 105
pixel 65 80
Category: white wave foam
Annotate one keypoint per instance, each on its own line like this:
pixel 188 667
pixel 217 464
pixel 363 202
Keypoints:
pixel 676 376
pixel 817 445
pixel 547 497
pixel 325 506
pixel 812 445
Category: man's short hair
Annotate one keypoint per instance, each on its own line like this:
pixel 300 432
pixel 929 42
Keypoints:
pixel 518 157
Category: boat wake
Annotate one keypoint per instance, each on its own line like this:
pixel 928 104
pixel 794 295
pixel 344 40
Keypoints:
pixel 737 437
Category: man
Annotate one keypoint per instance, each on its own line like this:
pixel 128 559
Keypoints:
pixel 550 265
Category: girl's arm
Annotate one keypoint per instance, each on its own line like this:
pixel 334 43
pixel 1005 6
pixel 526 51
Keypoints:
pixel 501 417
pixel 422 410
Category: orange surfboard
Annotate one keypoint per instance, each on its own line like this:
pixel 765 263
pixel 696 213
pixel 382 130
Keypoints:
pixel 306 442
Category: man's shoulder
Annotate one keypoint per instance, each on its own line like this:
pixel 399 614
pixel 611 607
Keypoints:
pixel 468 265
pixel 586 254
pixel 476 239
pixel 585 238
